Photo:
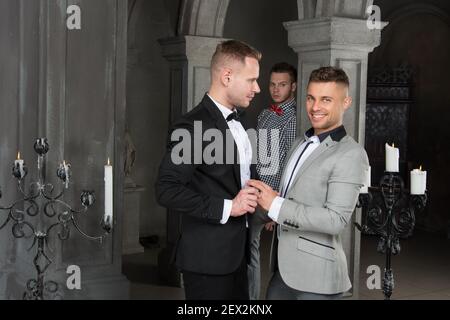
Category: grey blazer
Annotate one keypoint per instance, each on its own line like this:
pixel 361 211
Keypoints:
pixel 315 211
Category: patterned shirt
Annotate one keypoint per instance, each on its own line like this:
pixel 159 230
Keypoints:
pixel 281 131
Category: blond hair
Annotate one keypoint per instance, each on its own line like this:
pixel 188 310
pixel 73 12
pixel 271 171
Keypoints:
pixel 233 50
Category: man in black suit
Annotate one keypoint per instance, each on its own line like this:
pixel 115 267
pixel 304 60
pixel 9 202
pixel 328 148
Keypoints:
pixel 211 196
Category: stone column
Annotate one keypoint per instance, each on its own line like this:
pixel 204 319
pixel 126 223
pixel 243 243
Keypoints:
pixel 189 58
pixel 345 43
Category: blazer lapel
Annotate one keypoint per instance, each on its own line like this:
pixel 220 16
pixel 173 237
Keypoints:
pixel 294 147
pixel 222 125
pixel 325 145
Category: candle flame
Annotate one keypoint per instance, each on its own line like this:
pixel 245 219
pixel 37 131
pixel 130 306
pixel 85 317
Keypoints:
pixel 393 145
pixel 420 168
pixel 108 161
pixel 18 155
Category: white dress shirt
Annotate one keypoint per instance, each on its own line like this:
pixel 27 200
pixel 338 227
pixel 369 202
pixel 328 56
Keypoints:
pixel 244 147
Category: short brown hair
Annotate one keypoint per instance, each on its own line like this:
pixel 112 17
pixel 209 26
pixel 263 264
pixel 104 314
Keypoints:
pixel 234 50
pixel 284 67
pixel 329 74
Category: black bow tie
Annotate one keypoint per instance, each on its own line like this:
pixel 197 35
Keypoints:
pixel 233 116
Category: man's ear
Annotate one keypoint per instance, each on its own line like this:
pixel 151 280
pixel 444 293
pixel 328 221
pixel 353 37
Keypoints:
pixel 225 76
pixel 294 87
pixel 347 102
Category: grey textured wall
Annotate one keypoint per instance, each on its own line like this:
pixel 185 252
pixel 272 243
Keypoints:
pixel 68 86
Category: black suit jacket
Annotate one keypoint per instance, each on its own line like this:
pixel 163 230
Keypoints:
pixel 197 191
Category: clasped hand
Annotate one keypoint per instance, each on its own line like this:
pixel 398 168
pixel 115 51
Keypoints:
pixel 266 194
pixel 255 193
pixel 245 201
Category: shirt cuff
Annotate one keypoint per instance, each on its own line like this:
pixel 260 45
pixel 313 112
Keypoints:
pixel 275 207
pixel 227 204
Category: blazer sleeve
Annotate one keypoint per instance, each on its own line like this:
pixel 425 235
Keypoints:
pixel 172 185
pixel 342 194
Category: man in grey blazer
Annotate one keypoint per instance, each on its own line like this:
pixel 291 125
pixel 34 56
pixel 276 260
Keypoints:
pixel 319 189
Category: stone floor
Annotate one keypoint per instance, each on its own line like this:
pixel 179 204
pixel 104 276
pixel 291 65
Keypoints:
pixel 421 270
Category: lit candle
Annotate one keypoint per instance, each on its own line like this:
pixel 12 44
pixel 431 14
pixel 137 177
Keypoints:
pixel 66 167
pixel 365 187
pixel 108 217
pixel 418 181
pixel 392 156
pixel 19 164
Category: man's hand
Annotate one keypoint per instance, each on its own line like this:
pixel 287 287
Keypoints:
pixel 266 193
pixel 245 201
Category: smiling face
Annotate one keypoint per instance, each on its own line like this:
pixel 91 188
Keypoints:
pixel 326 103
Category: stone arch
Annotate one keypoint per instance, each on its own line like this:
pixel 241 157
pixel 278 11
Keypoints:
pixel 203 17
pixel 207 17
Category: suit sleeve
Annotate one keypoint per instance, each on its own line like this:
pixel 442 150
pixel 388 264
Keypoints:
pixel 172 185
pixel 343 189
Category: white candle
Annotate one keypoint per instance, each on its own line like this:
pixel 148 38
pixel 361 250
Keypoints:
pixel 19 163
pixel 66 172
pixel 108 194
pixel 365 187
pixel 392 156
pixel 418 181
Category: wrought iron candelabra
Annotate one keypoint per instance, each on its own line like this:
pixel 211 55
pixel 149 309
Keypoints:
pixel 390 214
pixel 40 198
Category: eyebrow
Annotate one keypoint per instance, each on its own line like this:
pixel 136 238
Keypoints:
pixel 322 97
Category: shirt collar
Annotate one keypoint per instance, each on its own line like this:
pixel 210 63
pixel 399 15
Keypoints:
pixel 336 134
pixel 224 110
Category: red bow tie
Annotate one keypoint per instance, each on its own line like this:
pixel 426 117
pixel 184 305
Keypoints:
pixel 276 109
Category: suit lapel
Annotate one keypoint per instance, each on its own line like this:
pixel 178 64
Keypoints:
pixel 222 125
pixel 225 129
pixel 294 147
pixel 324 145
